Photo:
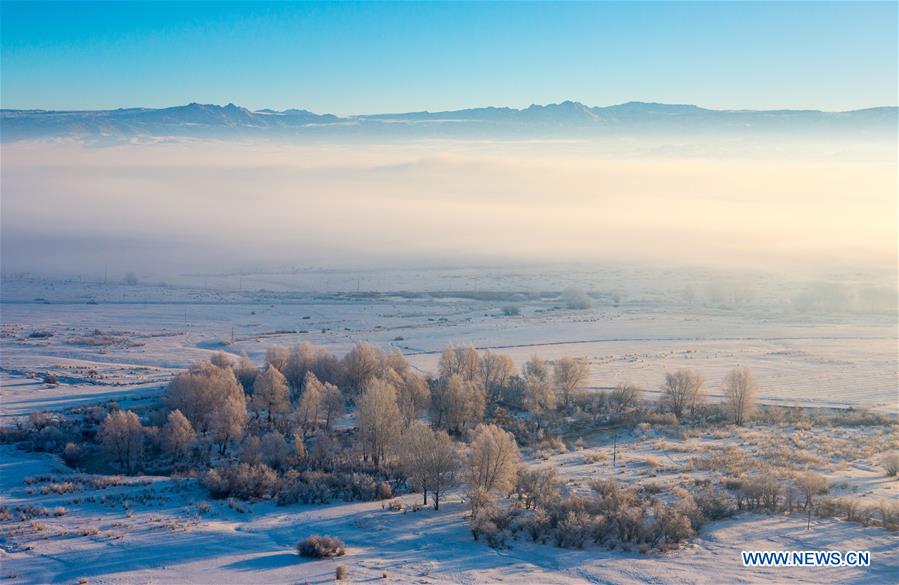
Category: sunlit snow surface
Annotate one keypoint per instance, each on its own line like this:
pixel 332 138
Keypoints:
pixel 109 341
pixel 634 334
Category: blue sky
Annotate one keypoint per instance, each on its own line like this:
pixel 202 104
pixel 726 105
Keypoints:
pixel 363 58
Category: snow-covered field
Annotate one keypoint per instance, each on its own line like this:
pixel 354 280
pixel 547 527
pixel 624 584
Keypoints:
pixel 123 343
pixel 142 334
pixel 167 533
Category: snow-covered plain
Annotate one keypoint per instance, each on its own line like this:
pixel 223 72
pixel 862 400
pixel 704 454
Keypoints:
pixel 108 341
pixel 150 331
pixel 161 533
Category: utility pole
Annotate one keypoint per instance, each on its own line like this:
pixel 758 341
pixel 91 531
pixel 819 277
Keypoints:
pixel 614 449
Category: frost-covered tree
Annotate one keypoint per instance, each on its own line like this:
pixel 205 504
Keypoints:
pixel 538 488
pixel 536 368
pixel 201 391
pixel 810 485
pixel 430 460
pixel 271 397
pixel 275 451
pixel 177 435
pixel 378 418
pixel 569 376
pixel 245 372
pixel 396 361
pixel 298 450
pixel 493 461
pixel 306 357
pixel 360 366
pixel 496 371
pixel 461 361
pixel 220 359
pixel 251 450
pixel 625 396
pixel 539 398
pixel 413 394
pixel 228 421
pixel 457 404
pixel 682 390
pixel 740 390
pixel 195 391
pixel 332 404
pixel 300 360
pixel 309 408
pixel 122 437
pixel 276 356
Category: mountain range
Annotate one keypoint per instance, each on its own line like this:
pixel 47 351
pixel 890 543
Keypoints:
pixel 564 119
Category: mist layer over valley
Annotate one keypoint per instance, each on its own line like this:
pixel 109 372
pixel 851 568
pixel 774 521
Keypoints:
pixel 161 206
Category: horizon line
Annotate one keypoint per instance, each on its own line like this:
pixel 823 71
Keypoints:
pixel 426 111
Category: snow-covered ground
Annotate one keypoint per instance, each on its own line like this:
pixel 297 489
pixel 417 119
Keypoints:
pixel 113 342
pixel 163 533
pixel 142 334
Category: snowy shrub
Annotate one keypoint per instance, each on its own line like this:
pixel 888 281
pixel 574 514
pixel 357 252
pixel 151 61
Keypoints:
pixel 40 334
pixel 320 547
pixel 482 526
pixel 309 487
pixel 759 493
pixel 240 480
pixel 71 454
pixel 714 505
pixel 535 524
pixel 625 396
pixel 239 507
pixel 573 530
pixel 652 461
pixel 889 515
pixel 275 451
pixel 537 487
pixel 384 491
pixel 660 419
pixel 827 507
pixel 122 437
pixel 891 464
pixel 489 522
pixel 627 523
pixel 594 457
pixel 177 435
pixel 670 528
pixel 688 507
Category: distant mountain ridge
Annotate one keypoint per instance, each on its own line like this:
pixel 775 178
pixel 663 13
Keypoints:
pixel 562 119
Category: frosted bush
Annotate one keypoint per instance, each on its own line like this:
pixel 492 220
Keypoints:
pixel 320 547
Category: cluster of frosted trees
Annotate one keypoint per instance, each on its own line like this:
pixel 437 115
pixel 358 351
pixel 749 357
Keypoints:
pixel 284 414
pixel 682 392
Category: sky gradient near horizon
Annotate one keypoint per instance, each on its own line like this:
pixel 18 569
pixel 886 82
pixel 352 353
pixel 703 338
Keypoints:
pixel 350 58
